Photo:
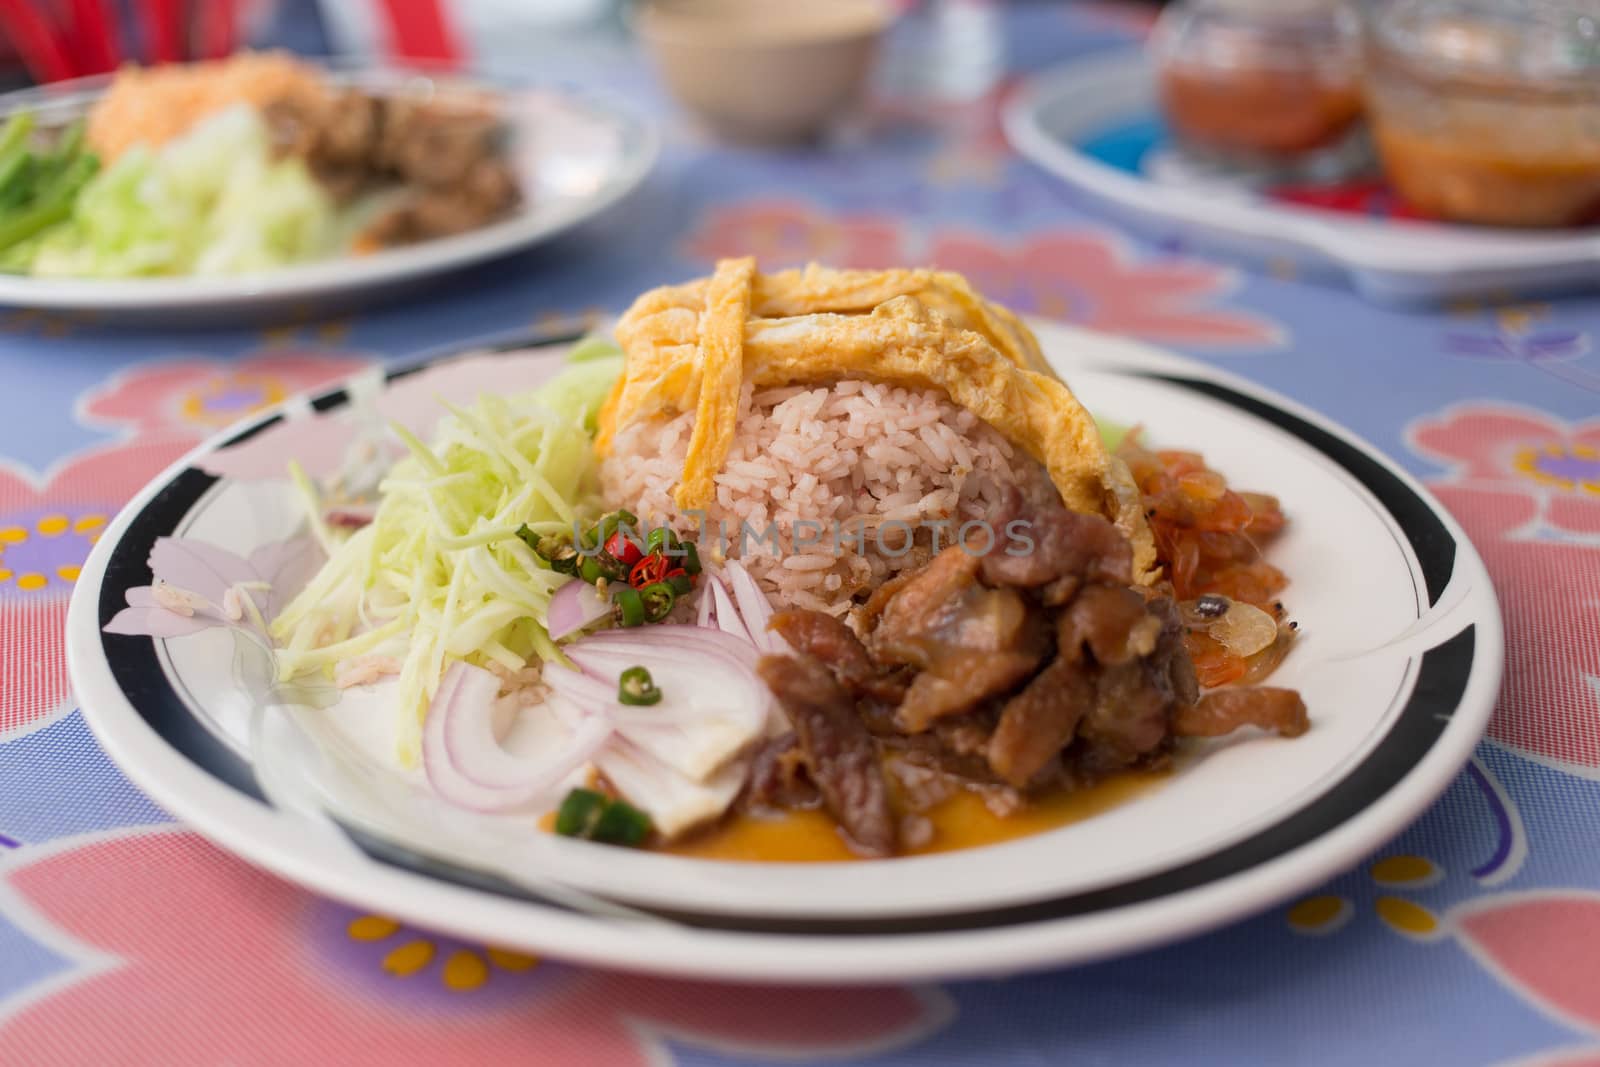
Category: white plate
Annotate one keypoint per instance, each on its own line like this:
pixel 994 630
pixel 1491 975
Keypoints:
pixel 1399 663
pixel 1055 115
pixel 575 155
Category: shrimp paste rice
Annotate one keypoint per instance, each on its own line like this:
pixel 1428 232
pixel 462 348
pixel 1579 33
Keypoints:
pixel 854 453
pixel 830 406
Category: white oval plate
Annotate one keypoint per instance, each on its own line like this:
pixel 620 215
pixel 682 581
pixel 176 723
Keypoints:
pixel 576 155
pixel 1055 114
pixel 1399 664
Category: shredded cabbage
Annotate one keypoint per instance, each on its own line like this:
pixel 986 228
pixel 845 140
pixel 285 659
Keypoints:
pixel 440 575
pixel 1111 433
pixel 212 202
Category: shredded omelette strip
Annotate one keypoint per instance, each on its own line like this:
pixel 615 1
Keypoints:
pixel 721 359
pixel 691 347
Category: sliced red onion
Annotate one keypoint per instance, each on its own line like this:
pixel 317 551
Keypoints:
pixel 713 708
pixel 706 612
pixel 728 620
pixel 678 635
pixel 713 705
pixel 596 693
pixel 679 644
pixel 351 516
pixel 465 763
pixel 676 801
pixel 607 662
pixel 574 606
pixel 607 665
pixel 754 608
pixel 586 691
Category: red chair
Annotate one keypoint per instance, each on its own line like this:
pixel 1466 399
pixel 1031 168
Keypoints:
pixel 61 39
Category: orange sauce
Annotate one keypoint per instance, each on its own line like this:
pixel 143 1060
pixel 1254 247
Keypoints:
pixel 961 821
pixel 1278 113
pixel 1477 177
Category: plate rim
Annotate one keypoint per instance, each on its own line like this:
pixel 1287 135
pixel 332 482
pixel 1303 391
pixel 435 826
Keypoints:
pixel 277 842
pixel 343 275
pixel 1343 241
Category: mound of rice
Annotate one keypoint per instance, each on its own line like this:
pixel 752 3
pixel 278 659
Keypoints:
pixel 153 105
pixel 854 453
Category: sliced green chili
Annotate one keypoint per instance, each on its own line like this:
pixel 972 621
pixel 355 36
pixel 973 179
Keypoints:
pixel 637 689
pixel 658 599
pixel 627 607
pixel 588 814
pixel 554 550
pixel 621 823
pixel 580 810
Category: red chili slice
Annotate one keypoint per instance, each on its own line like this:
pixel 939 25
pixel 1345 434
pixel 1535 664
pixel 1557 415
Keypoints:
pixel 623 549
pixel 648 570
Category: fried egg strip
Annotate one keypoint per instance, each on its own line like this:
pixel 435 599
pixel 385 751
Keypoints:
pixel 721 364
pixel 814 288
pixel 678 342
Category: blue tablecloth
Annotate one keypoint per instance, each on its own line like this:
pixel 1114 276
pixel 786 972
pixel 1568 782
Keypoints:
pixel 1472 939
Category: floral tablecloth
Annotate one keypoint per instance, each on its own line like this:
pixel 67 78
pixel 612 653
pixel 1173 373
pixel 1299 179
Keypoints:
pixel 1472 939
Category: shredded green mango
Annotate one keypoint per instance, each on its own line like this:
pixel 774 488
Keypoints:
pixel 439 574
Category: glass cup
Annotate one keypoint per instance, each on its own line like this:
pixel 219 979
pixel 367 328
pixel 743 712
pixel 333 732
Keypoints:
pixel 1271 85
pixel 1488 111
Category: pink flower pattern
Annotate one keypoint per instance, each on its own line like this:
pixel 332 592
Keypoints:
pixel 1526 487
pixel 1504 447
pixel 788 233
pixel 46 531
pixel 204 395
pixel 1091 279
pixel 203 959
pixel 1542 945
pixel 1081 276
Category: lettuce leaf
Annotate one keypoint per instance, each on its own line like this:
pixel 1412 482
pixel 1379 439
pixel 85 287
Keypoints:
pixel 213 202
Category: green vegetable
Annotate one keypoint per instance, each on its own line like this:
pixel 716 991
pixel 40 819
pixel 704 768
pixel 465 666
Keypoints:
pixel 579 811
pixel 627 607
pixel 53 207
pixel 443 572
pixel 594 348
pixel 14 134
pixel 581 388
pixel 636 688
pixel 215 201
pixel 602 564
pixel 555 550
pixel 16 173
pixel 70 143
pixel 658 599
pixel 594 816
pixel 691 557
pixel 621 823
pixel 681 584
pixel 661 538
pixel 38 190
pixel 1111 433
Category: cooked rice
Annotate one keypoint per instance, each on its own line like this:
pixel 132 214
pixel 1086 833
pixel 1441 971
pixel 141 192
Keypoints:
pixel 152 105
pixel 855 453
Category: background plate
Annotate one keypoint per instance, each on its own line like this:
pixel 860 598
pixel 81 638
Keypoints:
pixel 576 156
pixel 1095 124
